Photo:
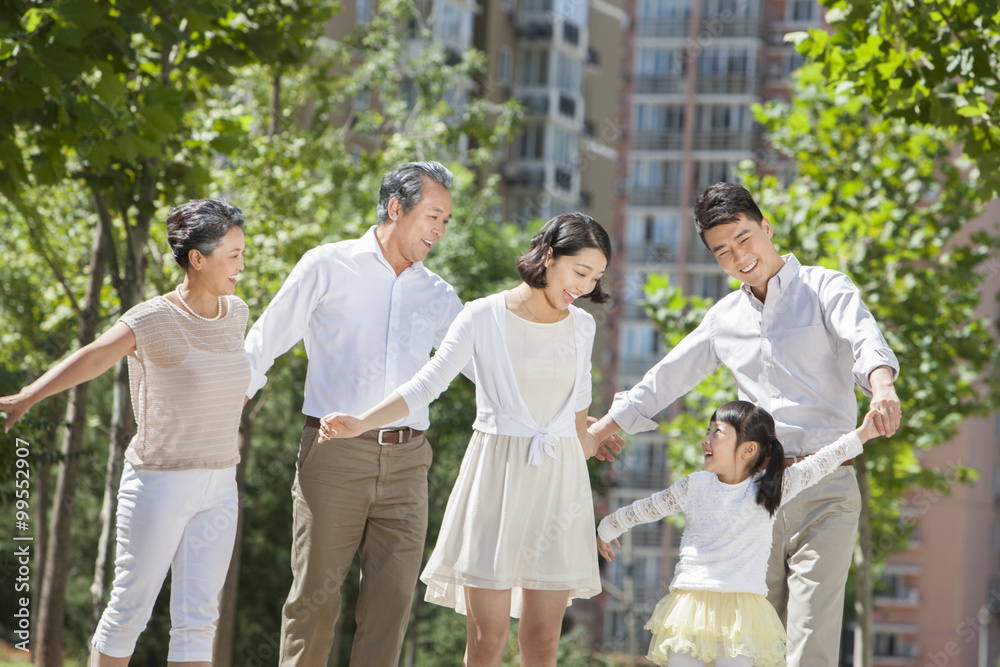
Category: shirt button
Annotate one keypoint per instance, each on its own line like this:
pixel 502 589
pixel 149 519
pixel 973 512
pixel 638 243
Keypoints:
pixel 775 395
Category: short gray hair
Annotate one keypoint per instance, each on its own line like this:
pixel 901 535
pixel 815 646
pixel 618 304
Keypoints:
pixel 200 225
pixel 406 183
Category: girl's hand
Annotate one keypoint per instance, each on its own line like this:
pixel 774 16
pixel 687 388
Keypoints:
pixel 15 406
pixel 340 425
pixel 606 550
pixel 868 429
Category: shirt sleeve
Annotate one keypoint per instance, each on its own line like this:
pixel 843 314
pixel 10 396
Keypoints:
pixel 285 321
pixel 690 362
pixel 813 468
pixel 454 307
pixel 585 337
pixel 847 316
pixel 454 353
pixel 647 510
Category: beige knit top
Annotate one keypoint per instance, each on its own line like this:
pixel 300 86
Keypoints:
pixel 188 378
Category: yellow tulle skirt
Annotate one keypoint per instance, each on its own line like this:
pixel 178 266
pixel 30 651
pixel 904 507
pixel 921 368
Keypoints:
pixel 706 624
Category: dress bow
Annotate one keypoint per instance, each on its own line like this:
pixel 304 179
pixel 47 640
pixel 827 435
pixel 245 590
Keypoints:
pixel 542 443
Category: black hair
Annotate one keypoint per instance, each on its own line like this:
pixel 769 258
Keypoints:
pixel 406 183
pixel 200 225
pixel 722 204
pixel 565 234
pixel 756 424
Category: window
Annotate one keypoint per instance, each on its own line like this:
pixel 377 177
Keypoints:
pixel 503 64
pixel 658 118
pixel 886 644
pixel 658 9
pixel 728 61
pixel 802 11
pixel 565 147
pixel 453 26
pixel 659 62
pixel 569 73
pixel 532 143
pixel 534 68
pixel 364 10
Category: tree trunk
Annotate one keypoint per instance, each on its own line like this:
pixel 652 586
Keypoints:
pixel 41 503
pixel 122 430
pixel 225 633
pixel 130 287
pixel 52 606
pixel 863 652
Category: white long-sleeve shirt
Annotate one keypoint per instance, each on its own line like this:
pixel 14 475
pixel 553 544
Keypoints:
pixel 479 333
pixel 727 540
pixel 797 355
pixel 366 330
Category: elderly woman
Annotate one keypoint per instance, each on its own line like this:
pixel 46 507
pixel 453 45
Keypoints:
pixel 177 504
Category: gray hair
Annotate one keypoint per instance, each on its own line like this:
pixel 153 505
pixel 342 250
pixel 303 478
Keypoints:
pixel 200 225
pixel 406 183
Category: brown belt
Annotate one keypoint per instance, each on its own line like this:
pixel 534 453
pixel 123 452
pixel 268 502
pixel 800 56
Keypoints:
pixel 383 436
pixel 792 460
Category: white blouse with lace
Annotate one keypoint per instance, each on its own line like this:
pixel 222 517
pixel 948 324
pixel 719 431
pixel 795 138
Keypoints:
pixel 727 540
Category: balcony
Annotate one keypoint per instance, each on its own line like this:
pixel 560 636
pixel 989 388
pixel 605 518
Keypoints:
pixel 640 479
pixel 637 366
pixel 535 29
pixel 908 597
pixel 651 253
pixel 537 105
pixel 672 140
pixel 734 84
pixel 711 27
pixel 660 84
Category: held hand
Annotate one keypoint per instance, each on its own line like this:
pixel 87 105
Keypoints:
pixel 339 425
pixel 603 451
pixel 15 406
pixel 869 428
pixel 606 550
pixel 885 404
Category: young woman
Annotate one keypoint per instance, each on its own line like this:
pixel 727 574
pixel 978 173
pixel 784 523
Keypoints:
pixel 517 536
pixel 717 609
pixel 177 504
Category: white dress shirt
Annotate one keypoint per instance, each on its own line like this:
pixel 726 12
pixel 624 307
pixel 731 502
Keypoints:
pixel 366 330
pixel 727 539
pixel 797 355
pixel 479 334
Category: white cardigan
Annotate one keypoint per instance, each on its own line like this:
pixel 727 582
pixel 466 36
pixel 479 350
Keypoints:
pixel 479 333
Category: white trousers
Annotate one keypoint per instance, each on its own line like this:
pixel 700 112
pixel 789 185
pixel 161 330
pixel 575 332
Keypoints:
pixel 178 520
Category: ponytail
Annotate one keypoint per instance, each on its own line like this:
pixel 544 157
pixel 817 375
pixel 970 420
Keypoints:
pixel 769 486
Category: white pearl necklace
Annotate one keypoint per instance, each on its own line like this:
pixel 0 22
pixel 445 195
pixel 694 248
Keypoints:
pixel 191 310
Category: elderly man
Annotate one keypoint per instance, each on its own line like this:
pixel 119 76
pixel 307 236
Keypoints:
pixel 370 313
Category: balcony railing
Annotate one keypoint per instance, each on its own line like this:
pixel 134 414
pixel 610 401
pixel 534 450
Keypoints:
pixel 671 140
pixel 675 84
pixel 710 27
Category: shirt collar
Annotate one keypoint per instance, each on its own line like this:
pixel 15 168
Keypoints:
pixel 780 281
pixel 368 243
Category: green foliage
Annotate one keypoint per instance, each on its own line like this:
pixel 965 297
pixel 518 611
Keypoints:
pixel 929 64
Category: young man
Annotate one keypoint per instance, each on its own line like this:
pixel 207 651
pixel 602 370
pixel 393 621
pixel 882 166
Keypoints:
pixel 369 313
pixel 796 339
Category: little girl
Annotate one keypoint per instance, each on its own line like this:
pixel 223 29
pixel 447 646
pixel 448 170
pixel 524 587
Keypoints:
pixel 717 609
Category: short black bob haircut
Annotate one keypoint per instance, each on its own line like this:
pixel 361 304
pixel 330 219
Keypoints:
pixel 565 234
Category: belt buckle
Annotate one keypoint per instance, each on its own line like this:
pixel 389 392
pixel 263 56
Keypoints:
pixel 382 431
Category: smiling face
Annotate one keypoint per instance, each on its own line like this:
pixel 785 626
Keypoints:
pixel 744 250
pixel 569 277
pixel 218 271
pixel 731 462
pixel 418 230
